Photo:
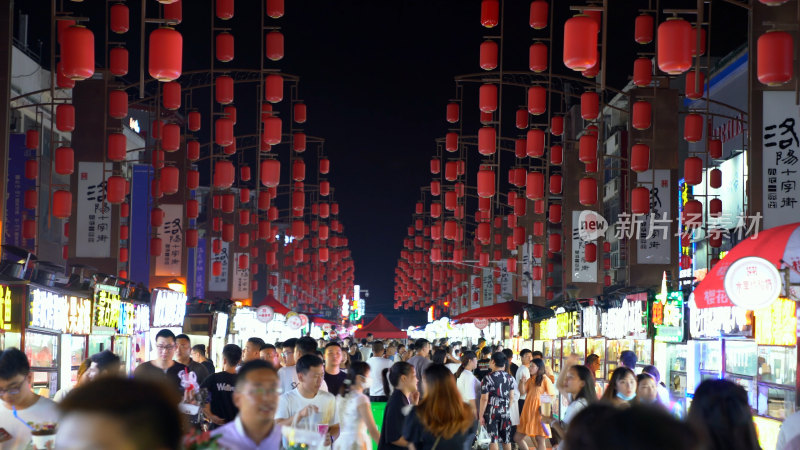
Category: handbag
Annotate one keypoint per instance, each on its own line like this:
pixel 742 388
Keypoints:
pixel 302 438
pixel 482 439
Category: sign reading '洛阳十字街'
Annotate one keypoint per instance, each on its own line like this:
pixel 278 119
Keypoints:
pixel 93 220
pixel 781 150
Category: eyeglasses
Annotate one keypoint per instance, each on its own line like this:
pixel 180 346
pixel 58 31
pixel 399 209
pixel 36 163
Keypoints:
pixel 161 348
pixel 11 391
pixel 263 392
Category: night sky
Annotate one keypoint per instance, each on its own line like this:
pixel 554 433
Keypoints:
pixel 376 76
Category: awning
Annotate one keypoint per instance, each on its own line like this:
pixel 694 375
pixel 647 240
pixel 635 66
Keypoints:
pixel 778 245
pixel 322 321
pixel 499 311
pixel 381 328
pixel 270 301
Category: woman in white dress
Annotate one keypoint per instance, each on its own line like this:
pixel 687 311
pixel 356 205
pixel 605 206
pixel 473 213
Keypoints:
pixel 357 425
pixel 468 385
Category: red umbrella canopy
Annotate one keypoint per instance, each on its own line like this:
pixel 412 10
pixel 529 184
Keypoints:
pixel 276 306
pixel 780 246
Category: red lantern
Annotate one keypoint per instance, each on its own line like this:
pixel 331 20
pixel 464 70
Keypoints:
pixel 642 112
pixel 642 72
pixel 580 42
pixel 537 100
pixel 587 148
pixel 77 53
pixel 192 151
pixel 65 117
pixel 521 119
pixel 272 130
pixel 715 148
pixel 554 243
pixel 62 82
pixel 587 189
pixel 224 174
pixel 535 143
pixel 170 177
pixel 116 187
pixel 117 147
pixel 300 113
pixel 486 183
pixel 273 91
pixel 118 104
pixel 715 178
pixel 192 209
pixel 775 58
pixel 534 186
pixel 156 217
pixel 590 252
pixel 224 9
pixel 692 213
pixel 120 18
pixel 556 155
pixel 590 105
pixel 554 215
pixel 29 229
pixel 487 140
pixel 452 112
pixel 224 89
pixel 537 57
pixel 556 184
pixel 538 15
pixel 488 55
pixel 194 120
pixel 674 46
pixel 32 139
pixel 643 29
pixel 640 200
pixel 490 13
pixel 223 131
pixel 166 54
pixel 693 41
pixel 173 12
pixel 715 207
pixel 31 199
pixel 487 98
pixel 299 142
pixel 693 170
pixel 156 246
pixel 451 141
pixel 274 45
pixel 557 125
pixel 592 72
pixel 693 127
pixel 640 157
pixel 171 140
pixel 65 161
pixel 692 92
pixel 224 47
pixel 275 8
pixel 171 94
pixel 298 170
pixel 192 237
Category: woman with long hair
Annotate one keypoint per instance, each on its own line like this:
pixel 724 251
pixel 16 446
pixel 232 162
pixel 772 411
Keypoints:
pixel 439 356
pixel 647 390
pixel 345 364
pixel 531 421
pixel 579 384
pixel 468 385
pixel 720 410
pixel 402 377
pixel 354 405
pixel 441 420
pixel 621 388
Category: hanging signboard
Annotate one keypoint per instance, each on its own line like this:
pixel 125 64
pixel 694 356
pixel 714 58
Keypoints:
pixel 752 283
pixel 475 292
pixel 265 314
pixel 548 329
pixel 582 270
pixel 16 185
pixel 169 308
pixel 781 150
pixel 93 220
pixel 171 234
pixel 667 316
pixel 107 309
pixel 777 323
pixel 481 323
pixel 220 283
pixel 591 321
pixel 654 228
pixel 58 312
pixel 568 324
pixel 488 287
pixel 240 288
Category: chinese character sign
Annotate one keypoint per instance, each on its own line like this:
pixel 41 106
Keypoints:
pixel 220 283
pixel 169 308
pixel 653 229
pixel 171 234
pixel 488 287
pixel 7 316
pixel 667 316
pixel 626 321
pixel 80 316
pixel 781 150
pixel 719 321
pixel 93 221
pixel 106 307
pixel 777 324
pixel 240 288
pixel 57 312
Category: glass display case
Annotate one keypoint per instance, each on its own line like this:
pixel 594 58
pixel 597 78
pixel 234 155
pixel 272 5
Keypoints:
pixel 9 339
pixel 574 347
pixel 644 352
pixel 676 376
pixel 709 359
pixel 122 348
pixel 597 346
pixel 777 369
pixel 613 348
pixel 555 363
pixel 741 367
pixel 98 343
pixel 77 352
pixel 42 352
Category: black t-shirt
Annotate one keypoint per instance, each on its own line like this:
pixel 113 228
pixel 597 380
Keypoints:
pixel 423 439
pixel 150 372
pixel 355 356
pixel 392 428
pixel 209 365
pixel 483 369
pixel 335 382
pixel 514 369
pixel 220 388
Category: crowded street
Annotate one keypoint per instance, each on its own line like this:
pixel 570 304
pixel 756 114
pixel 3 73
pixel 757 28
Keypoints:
pixel 390 225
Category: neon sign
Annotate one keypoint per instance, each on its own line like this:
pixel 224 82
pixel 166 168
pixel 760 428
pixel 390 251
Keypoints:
pixel 629 320
pixel 169 308
pixel 777 324
pixel 58 312
pixel 6 322
pixel 107 307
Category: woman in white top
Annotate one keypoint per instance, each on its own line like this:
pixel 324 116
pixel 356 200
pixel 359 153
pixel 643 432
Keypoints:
pixel 359 426
pixel 579 384
pixel 468 385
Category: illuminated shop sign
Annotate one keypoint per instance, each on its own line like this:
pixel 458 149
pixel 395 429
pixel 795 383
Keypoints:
pixel 107 307
pixel 526 326
pixel 568 324
pixel 720 321
pixel 591 321
pixel 548 329
pixel 141 320
pixel 667 316
pixel 777 323
pixel 629 320
pixel 8 313
pixel 169 308
pixel 58 312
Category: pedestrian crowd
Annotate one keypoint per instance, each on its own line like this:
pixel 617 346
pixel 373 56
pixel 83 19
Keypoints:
pixel 437 396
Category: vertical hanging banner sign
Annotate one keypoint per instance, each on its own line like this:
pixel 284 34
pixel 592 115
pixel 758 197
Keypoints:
pixel 16 186
pixel 93 221
pixel 171 234
pixel 475 292
pixel 488 287
pixel 220 283
pixel 781 144
pixel 200 269
pixel 653 229
pixel 240 288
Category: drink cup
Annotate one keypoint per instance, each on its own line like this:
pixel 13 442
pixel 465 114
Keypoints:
pixel 546 405
pixel 41 439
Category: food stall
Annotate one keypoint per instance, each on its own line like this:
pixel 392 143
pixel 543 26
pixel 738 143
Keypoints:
pixel 210 330
pixel 625 328
pixel 11 301
pixel 669 349
pixel 168 309
pixel 595 342
pixel 776 359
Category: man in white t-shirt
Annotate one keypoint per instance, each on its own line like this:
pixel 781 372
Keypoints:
pixel 21 408
pixel 307 405
pixel 376 365
pixel 524 371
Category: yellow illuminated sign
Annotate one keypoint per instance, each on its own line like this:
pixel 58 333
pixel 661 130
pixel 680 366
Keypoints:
pixel 106 307
pixel 5 308
pixel 777 324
